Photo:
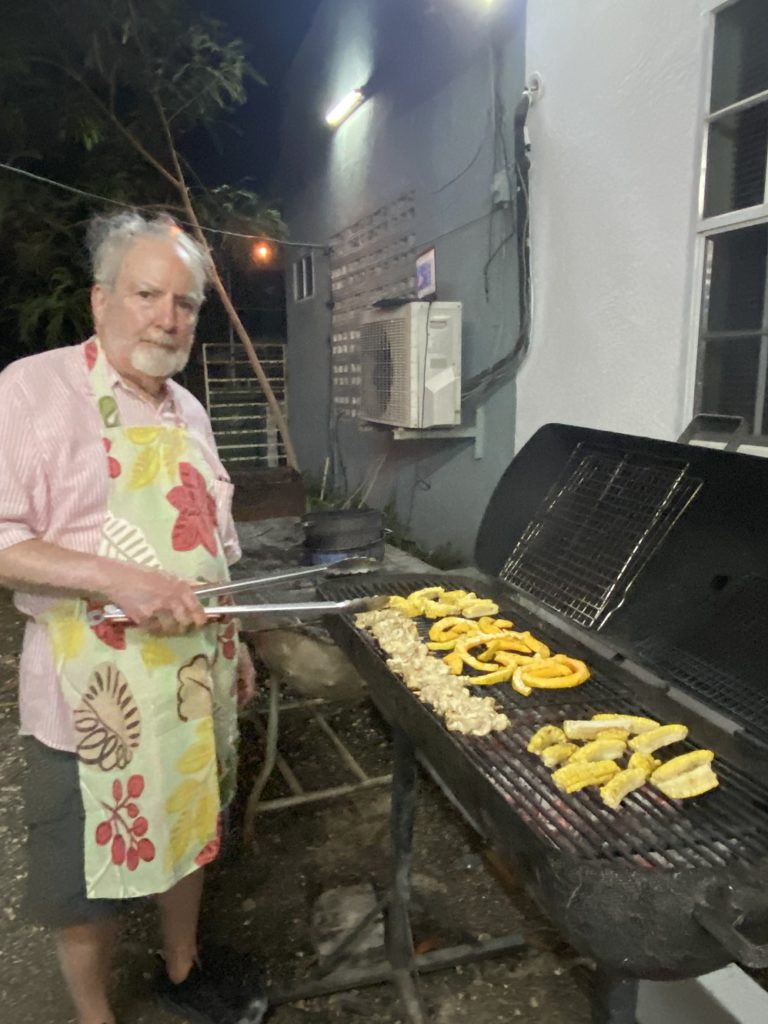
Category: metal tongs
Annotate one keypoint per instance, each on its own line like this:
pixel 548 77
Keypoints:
pixel 302 609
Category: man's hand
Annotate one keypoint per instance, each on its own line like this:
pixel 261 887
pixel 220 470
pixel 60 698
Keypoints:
pixel 154 600
pixel 151 598
pixel 246 676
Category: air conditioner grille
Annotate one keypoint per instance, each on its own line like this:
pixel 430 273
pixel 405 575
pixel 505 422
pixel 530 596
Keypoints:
pixel 386 370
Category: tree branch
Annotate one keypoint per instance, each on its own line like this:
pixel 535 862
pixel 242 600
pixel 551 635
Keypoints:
pixel 226 301
pixel 113 119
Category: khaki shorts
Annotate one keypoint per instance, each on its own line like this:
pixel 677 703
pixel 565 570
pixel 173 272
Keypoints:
pixel 54 816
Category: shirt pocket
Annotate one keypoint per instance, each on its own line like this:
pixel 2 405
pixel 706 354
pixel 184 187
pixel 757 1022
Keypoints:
pixel 223 492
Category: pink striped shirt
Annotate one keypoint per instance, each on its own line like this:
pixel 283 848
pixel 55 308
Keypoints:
pixel 54 486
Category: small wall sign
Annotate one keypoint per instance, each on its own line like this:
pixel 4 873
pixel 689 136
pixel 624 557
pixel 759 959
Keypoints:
pixel 426 278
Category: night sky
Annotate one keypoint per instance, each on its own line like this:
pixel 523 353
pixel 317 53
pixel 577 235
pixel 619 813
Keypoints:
pixel 272 31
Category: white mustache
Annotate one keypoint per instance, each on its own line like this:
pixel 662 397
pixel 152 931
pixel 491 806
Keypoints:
pixel 165 341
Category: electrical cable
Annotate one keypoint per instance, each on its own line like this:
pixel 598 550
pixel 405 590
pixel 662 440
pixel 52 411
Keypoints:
pixel 494 375
pixel 137 206
pixel 472 162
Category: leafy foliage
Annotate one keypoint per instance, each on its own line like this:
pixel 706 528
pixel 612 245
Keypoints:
pixel 101 94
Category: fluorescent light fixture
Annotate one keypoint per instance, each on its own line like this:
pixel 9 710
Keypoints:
pixel 344 108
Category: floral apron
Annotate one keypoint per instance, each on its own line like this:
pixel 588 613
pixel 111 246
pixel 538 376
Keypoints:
pixel 156 719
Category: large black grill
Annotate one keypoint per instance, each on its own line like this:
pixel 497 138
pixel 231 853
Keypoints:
pixel 645 559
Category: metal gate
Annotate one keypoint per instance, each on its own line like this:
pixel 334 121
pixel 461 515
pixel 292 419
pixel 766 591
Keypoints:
pixel 243 424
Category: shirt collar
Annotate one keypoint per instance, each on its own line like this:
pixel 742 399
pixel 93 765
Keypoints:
pixel 116 380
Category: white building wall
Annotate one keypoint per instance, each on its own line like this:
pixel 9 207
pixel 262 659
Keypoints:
pixel 616 140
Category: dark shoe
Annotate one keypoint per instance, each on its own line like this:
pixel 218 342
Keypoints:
pixel 239 976
pixel 211 994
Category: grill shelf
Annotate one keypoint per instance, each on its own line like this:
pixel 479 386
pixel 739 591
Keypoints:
pixel 726 826
pixel 598 526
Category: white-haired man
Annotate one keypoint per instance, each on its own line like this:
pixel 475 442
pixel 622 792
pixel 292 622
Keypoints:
pixel 112 490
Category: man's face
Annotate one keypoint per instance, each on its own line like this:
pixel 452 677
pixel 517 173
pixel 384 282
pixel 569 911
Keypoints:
pixel 146 322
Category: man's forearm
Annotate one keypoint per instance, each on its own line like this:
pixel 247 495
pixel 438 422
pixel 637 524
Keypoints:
pixel 37 565
pixel 151 598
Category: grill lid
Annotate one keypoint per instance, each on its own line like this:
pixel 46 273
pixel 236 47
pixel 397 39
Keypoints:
pixel 662 547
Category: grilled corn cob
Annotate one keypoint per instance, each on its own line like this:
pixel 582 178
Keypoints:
pixel 546 736
pixel 557 754
pixel 686 776
pixel 694 783
pixel 684 763
pixel 613 734
pixel 599 750
pixel 573 777
pixel 588 729
pixel 647 742
pixel 637 725
pixel 614 791
pixel 645 762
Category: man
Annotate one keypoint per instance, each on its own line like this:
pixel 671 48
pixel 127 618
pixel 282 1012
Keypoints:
pixel 112 490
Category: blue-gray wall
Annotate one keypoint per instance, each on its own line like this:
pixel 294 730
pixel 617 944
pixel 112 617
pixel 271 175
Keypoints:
pixel 430 114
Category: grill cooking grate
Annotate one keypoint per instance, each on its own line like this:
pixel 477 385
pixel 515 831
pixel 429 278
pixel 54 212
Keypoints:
pixel 596 529
pixel 729 824
pixel 721 662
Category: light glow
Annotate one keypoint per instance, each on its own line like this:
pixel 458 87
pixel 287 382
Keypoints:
pixel 261 252
pixel 344 108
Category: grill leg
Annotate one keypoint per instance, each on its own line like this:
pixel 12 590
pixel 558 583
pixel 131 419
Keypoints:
pixel 399 939
pixel 614 999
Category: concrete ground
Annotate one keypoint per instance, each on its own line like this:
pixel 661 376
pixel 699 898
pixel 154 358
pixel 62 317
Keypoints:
pixel 260 901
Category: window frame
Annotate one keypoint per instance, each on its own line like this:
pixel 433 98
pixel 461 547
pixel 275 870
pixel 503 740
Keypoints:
pixel 301 279
pixel 708 227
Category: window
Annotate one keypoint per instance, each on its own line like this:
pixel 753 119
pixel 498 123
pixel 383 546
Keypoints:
pixel 304 278
pixel 733 341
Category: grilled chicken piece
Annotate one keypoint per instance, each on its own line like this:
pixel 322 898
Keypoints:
pixel 557 754
pixel 647 742
pixel 621 785
pixel 686 776
pixel 546 736
pixel 573 777
pixel 600 750
pixel 645 762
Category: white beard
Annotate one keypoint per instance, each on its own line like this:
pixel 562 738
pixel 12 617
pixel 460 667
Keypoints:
pixel 154 361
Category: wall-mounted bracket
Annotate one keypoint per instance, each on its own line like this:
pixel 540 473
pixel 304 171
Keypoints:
pixel 477 431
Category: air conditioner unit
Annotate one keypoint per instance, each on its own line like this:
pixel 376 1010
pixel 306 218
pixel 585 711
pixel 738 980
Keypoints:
pixel 411 365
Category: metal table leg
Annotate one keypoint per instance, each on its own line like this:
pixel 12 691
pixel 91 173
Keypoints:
pixel 399 939
pixel 401 967
pixel 614 999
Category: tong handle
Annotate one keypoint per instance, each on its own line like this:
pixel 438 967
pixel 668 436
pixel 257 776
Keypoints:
pixel 353 564
pixel 260 581
pixel 117 617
